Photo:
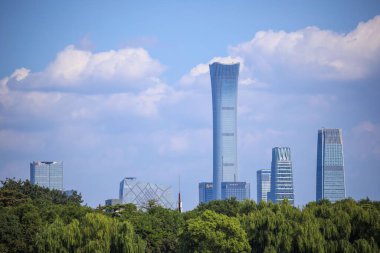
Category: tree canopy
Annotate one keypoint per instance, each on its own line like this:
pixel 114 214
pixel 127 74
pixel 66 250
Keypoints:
pixel 36 219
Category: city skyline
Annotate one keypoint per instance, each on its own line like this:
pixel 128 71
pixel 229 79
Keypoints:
pixel 127 91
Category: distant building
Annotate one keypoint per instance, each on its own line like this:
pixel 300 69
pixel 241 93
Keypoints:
pixel 205 192
pixel 224 83
pixel 47 174
pixel 112 202
pixel 281 176
pixel 330 165
pixel 263 185
pixel 140 193
pixel 69 193
pixel 238 190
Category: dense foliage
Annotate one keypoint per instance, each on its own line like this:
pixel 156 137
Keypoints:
pixel 36 219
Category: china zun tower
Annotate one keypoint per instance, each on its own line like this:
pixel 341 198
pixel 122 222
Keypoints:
pixel 330 171
pixel 224 82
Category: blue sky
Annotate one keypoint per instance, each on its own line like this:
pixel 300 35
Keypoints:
pixel 122 88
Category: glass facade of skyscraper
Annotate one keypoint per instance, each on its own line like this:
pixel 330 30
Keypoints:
pixel 224 82
pixel 205 192
pixel 140 193
pixel 330 165
pixel 281 176
pixel 238 190
pixel 47 174
pixel 263 185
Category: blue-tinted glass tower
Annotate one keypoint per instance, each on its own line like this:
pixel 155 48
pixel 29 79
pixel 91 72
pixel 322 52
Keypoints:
pixel 263 185
pixel 238 190
pixel 224 82
pixel 330 171
pixel 205 192
pixel 47 174
pixel 281 176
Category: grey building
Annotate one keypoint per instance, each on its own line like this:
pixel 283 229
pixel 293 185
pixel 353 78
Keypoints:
pixel 47 174
pixel 281 176
pixel 330 165
pixel 263 185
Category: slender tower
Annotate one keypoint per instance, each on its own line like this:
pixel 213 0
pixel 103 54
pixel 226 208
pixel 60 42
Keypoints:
pixel 179 196
pixel 330 170
pixel 224 81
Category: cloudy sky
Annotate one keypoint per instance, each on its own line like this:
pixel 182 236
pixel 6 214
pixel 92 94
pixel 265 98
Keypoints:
pixel 122 88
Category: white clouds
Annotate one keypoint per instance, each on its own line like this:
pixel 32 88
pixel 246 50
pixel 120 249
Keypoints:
pixel 82 70
pixel 125 65
pixel 80 84
pixel 304 56
pixel 20 74
pixel 313 53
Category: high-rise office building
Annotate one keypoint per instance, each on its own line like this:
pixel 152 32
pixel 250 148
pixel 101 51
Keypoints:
pixel 330 170
pixel 205 192
pixel 281 176
pixel 224 82
pixel 47 174
pixel 238 190
pixel 263 185
pixel 140 193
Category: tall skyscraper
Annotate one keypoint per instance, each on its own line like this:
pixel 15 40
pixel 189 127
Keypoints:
pixel 224 81
pixel 330 170
pixel 263 185
pixel 281 176
pixel 205 192
pixel 140 193
pixel 238 190
pixel 47 174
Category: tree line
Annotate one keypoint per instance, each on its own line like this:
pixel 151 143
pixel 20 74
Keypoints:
pixel 36 219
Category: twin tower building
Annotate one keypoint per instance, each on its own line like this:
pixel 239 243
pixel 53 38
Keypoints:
pixel 275 184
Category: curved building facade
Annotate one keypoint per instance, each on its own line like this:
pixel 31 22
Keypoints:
pixel 224 83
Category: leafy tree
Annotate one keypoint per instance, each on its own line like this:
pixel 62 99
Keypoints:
pixel 95 233
pixel 213 232
pixel 308 237
pixel 158 226
pixel 11 232
pixel 229 207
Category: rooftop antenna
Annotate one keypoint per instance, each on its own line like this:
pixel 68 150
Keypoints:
pixel 179 195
